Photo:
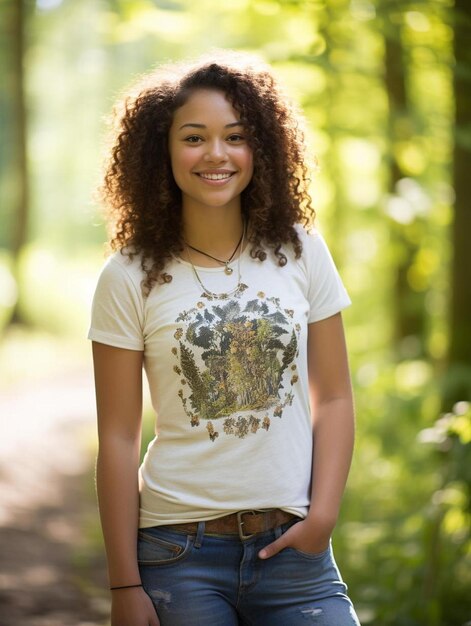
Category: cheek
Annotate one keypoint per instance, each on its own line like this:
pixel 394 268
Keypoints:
pixel 250 165
pixel 181 161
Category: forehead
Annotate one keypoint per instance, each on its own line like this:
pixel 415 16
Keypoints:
pixel 204 106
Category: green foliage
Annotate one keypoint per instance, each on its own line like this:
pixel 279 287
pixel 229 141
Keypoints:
pixel 407 510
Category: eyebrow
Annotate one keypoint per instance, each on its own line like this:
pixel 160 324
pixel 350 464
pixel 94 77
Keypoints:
pixel 193 125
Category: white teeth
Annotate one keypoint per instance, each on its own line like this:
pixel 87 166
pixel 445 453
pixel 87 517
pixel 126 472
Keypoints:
pixel 215 176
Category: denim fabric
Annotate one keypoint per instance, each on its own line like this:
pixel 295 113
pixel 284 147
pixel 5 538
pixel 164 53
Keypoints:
pixel 208 580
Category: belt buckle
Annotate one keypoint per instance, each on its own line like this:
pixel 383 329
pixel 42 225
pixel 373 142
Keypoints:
pixel 240 522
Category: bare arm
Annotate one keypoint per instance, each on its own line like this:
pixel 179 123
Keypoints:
pixel 333 430
pixel 118 383
pixel 333 417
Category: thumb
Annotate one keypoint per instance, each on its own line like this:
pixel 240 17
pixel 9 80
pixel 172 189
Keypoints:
pixel 272 548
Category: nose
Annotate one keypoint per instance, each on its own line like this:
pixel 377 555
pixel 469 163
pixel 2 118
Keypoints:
pixel 216 151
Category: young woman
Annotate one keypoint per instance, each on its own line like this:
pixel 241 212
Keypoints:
pixel 217 289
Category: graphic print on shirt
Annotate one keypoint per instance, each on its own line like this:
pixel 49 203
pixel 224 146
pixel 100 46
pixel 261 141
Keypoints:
pixel 236 363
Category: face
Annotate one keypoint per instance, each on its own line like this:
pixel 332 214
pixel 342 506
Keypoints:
pixel 211 160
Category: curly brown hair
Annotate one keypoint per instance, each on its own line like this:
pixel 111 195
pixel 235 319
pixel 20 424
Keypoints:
pixel 139 188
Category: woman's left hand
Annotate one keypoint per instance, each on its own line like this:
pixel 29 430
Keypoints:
pixel 308 535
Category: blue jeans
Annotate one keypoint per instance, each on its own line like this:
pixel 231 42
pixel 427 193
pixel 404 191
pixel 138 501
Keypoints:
pixel 218 580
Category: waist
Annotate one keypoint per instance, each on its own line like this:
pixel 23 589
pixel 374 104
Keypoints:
pixel 243 523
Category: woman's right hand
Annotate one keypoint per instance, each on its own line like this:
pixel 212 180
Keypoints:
pixel 132 607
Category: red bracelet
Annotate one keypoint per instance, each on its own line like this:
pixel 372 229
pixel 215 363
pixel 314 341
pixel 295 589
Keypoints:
pixel 125 587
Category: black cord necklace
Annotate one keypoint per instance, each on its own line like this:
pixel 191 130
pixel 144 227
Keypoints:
pixel 227 270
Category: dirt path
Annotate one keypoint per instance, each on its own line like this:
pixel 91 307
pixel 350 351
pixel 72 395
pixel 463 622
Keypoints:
pixel 52 571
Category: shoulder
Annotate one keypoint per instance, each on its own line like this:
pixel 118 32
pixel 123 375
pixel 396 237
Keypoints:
pixel 312 241
pixel 125 262
pixel 121 269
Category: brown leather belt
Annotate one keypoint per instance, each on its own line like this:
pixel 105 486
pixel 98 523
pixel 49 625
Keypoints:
pixel 246 524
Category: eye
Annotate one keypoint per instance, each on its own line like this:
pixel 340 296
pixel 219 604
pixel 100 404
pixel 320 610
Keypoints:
pixel 235 138
pixel 193 139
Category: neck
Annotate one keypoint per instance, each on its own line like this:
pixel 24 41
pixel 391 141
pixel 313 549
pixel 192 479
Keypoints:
pixel 216 234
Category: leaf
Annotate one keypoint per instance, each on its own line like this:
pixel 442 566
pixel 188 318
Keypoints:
pixel 277 318
pixel 208 316
pixel 219 310
pixel 204 338
pixel 278 330
pixel 275 344
pixel 231 310
pixel 252 306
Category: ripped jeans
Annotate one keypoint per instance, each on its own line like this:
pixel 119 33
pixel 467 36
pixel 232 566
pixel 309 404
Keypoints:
pixel 218 580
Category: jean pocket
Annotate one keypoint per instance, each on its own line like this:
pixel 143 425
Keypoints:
pixel 158 547
pixel 310 556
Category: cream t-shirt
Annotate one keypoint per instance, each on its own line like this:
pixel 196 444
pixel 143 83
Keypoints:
pixel 227 377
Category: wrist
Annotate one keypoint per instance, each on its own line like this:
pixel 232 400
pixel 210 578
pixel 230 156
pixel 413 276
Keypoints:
pixel 119 587
pixel 323 518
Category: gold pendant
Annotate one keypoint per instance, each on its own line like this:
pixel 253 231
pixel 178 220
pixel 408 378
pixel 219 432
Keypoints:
pixel 228 270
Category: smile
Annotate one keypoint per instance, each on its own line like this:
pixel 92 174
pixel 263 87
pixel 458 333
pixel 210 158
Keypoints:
pixel 208 176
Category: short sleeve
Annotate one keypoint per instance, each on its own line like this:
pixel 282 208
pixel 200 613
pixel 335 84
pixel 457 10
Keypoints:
pixel 326 292
pixel 117 317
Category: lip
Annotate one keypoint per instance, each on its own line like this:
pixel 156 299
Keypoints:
pixel 215 183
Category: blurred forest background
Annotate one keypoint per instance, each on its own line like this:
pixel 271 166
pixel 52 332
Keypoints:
pixel 386 89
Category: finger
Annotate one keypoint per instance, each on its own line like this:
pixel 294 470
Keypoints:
pixel 272 548
pixel 154 620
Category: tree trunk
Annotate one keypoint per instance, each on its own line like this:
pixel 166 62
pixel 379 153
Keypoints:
pixel 16 16
pixel 459 356
pixel 409 306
